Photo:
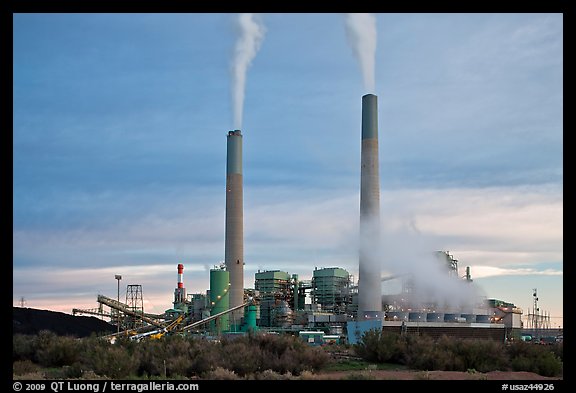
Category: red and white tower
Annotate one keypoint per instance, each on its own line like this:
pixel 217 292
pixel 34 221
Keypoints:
pixel 180 291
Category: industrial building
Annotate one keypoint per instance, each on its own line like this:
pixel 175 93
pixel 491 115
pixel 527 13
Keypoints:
pixel 324 307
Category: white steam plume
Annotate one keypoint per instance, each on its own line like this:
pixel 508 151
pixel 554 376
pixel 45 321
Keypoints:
pixel 251 33
pixel 361 32
pixel 406 251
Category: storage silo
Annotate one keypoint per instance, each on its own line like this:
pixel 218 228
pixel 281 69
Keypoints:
pixel 219 299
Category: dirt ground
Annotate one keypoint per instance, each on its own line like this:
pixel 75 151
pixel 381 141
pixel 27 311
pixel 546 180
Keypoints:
pixel 435 375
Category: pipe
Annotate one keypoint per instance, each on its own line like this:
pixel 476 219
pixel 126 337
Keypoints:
pixel 206 320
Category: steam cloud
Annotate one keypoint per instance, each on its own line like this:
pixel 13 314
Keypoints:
pixel 361 32
pixel 251 33
pixel 407 252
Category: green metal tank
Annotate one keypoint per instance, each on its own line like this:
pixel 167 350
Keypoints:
pixel 219 299
pixel 250 318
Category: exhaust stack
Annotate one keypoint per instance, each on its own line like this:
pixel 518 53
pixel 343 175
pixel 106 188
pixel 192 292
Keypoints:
pixel 369 275
pixel 234 247
pixel 180 291
pixel 180 275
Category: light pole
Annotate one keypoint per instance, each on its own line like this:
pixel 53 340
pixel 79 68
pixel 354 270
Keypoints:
pixel 118 277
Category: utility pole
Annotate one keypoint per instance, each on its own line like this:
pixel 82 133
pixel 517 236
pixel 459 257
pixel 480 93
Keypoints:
pixel 118 277
pixel 536 313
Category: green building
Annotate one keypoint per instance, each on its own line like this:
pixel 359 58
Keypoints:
pixel 331 289
pixel 275 289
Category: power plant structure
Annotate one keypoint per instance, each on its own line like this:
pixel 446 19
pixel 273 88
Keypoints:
pixel 234 242
pixel 329 306
pixel 180 291
pixel 369 286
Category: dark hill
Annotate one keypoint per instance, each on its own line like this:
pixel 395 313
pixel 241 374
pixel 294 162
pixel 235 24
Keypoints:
pixel 31 321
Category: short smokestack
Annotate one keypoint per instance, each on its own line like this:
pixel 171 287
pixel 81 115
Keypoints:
pixel 180 275
pixel 180 291
pixel 369 275
pixel 234 247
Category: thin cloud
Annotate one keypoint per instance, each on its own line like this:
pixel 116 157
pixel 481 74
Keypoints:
pixel 492 271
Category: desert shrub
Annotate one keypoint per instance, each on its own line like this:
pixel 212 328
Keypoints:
pixel 41 342
pixel 289 362
pixel 204 357
pixel 540 359
pixel 176 345
pixel 522 349
pixel 449 358
pixel 89 374
pixel 270 375
pixel 150 356
pixel 220 373
pixel 57 351
pixel 359 375
pixel 378 346
pixel 291 354
pixel 241 357
pixel 419 353
pixel 34 376
pixel 21 367
pixel 178 365
pixel 308 375
pixel 112 361
pixel 23 347
pixel 73 371
pixel 480 355
pixel 548 365
pixel 425 353
pixel 521 363
pixel 66 372
pixel 273 344
pixel 169 355
pixel 558 350
pixel 314 358
pixel 283 354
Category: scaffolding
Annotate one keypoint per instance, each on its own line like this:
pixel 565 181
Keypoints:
pixel 135 303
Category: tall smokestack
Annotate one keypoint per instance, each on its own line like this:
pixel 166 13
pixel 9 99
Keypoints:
pixel 369 275
pixel 234 247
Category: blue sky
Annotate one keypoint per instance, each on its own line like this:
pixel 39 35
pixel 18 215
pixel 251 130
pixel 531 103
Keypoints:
pixel 119 150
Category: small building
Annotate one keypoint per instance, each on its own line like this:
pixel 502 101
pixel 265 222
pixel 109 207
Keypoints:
pixel 312 337
pixel 331 339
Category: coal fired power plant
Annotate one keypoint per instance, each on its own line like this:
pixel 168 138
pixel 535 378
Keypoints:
pixel 369 272
pixel 330 307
